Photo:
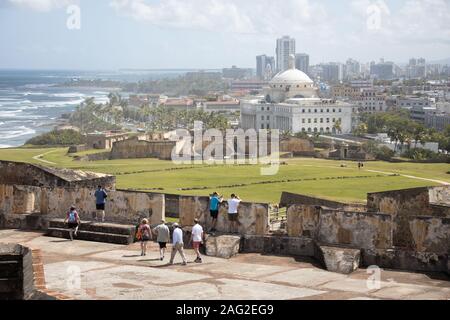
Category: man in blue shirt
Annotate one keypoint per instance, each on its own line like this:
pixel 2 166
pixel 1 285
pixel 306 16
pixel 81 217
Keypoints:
pixel 214 202
pixel 100 202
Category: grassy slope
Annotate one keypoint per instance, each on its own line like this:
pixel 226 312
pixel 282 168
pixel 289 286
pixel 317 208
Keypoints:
pixel 147 174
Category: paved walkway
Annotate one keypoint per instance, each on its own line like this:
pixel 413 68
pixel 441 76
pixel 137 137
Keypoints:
pixel 88 270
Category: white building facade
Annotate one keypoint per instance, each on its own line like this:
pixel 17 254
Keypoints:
pixel 291 104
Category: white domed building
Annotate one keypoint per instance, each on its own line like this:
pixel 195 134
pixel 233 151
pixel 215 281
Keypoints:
pixel 291 104
pixel 291 83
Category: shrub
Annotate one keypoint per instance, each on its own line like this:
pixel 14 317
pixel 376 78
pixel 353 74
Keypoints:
pixel 58 138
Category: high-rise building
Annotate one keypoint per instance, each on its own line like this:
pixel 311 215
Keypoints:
pixel 302 62
pixel 265 67
pixel 332 72
pixel 352 69
pixel 417 68
pixel 382 70
pixel 285 47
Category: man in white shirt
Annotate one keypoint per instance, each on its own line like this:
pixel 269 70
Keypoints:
pixel 197 239
pixel 233 205
pixel 177 244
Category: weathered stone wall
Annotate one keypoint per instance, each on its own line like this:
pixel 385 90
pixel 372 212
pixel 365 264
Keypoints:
pixel 406 204
pixel 430 234
pixel 439 195
pixel 355 229
pixel 135 148
pixel 19 199
pixel 296 145
pixel 121 206
pixel 338 227
pixel 253 217
pixel 303 221
pixel 288 199
pixel 17 173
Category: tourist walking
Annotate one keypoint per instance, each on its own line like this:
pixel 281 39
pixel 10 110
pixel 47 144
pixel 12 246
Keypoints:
pixel 214 202
pixel 177 243
pixel 197 239
pixel 73 221
pixel 233 216
pixel 100 202
pixel 162 237
pixel 145 236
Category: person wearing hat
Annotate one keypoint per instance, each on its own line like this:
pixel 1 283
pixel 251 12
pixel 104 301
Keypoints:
pixel 73 221
pixel 163 237
pixel 177 244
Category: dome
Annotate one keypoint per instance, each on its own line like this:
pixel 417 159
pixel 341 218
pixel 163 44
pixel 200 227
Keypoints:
pixel 291 76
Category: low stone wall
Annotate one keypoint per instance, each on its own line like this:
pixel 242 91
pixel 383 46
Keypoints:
pixel 253 217
pixel 288 199
pixel 19 199
pixel 303 221
pixel 403 205
pixel 338 227
pixel 430 234
pixel 355 229
pixel 17 173
pixel 135 148
pixel 121 207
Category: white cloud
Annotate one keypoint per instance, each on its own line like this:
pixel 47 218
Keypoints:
pixel 413 21
pixel 41 5
pixel 237 16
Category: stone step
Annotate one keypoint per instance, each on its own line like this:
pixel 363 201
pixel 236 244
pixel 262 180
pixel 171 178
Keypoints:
pixel 91 236
pixel 9 269
pixel 128 230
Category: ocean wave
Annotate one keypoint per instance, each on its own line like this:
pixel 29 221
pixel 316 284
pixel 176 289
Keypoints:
pixel 16 132
pixel 56 104
pixel 33 94
pixel 68 95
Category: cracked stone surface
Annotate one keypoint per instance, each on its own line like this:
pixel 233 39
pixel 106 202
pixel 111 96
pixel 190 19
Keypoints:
pixel 92 271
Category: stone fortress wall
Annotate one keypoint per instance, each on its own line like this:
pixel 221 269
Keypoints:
pixel 404 229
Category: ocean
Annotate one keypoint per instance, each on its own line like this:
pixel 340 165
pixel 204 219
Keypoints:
pixel 32 101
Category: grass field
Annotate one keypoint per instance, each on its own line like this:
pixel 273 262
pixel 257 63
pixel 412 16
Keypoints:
pixel 325 178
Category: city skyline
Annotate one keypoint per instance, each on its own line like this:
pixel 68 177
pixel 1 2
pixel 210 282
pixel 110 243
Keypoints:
pixel 174 34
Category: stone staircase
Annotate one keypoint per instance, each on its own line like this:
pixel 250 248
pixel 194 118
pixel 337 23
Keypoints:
pixel 93 231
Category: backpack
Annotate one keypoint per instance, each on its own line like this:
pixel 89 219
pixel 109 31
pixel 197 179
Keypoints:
pixel 72 217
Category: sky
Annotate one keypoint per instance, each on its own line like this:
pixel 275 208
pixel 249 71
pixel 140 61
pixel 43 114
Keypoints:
pixel 208 34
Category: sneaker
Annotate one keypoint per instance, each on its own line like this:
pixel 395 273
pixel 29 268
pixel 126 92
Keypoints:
pixel 162 258
pixel 184 263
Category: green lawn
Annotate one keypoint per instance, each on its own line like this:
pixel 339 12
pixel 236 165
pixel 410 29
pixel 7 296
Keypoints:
pixel 317 177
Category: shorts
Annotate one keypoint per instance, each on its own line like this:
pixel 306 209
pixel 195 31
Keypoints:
pixel 233 217
pixel 100 206
pixel 214 213
pixel 196 244
pixel 72 225
pixel 162 245
pixel 145 239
